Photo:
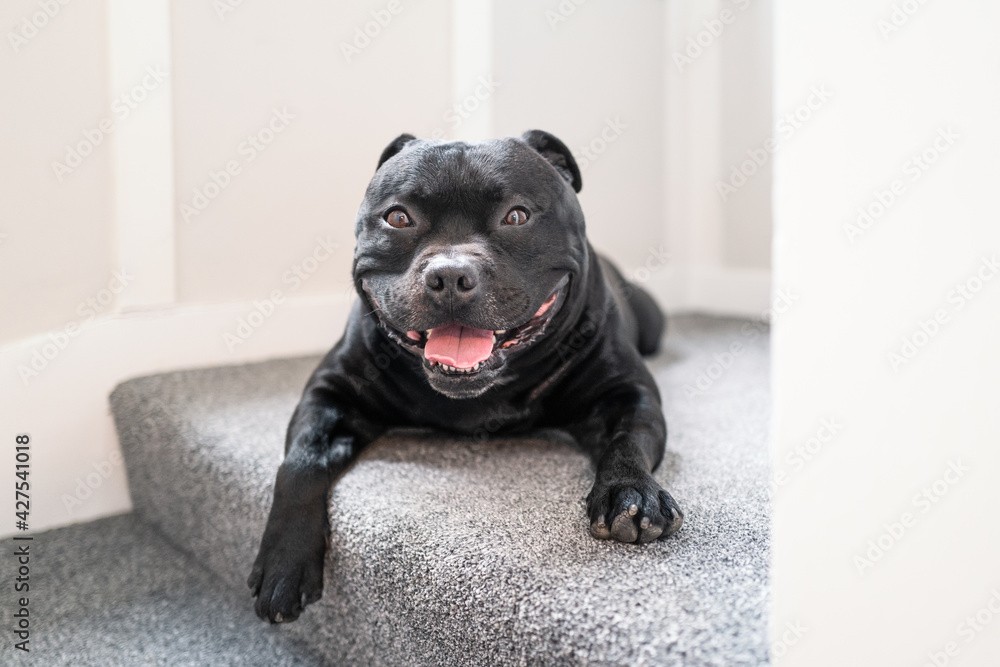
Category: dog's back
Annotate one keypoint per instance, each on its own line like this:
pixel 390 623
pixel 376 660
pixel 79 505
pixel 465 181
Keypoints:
pixel 643 320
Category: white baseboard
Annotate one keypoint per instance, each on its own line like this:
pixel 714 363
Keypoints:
pixel 719 291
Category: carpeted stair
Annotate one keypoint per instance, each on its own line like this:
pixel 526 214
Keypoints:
pixel 113 592
pixel 476 552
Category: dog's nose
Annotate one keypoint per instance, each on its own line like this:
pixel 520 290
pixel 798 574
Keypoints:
pixel 451 278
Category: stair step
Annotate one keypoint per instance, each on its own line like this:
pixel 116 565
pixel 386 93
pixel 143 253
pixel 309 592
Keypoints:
pixel 458 552
pixel 114 592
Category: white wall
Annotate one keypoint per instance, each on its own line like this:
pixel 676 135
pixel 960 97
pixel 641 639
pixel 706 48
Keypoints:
pixel 598 74
pixel 747 121
pixel 872 573
pixel 717 105
pixel 55 230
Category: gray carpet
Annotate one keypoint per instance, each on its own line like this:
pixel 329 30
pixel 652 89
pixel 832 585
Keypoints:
pixel 113 592
pixel 449 552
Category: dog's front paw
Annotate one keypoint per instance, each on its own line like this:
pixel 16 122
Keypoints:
pixel 632 510
pixel 286 578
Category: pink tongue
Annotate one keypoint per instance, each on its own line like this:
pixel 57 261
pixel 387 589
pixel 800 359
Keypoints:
pixel 458 346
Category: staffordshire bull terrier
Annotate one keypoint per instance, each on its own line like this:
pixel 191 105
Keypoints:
pixel 478 293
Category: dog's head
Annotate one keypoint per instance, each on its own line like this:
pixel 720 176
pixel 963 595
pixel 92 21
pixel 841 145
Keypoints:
pixel 467 252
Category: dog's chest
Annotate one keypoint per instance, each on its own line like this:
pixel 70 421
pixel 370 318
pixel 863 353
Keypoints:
pixel 483 419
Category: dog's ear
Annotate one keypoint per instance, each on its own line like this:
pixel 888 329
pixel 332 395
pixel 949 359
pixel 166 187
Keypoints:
pixel 393 148
pixel 557 155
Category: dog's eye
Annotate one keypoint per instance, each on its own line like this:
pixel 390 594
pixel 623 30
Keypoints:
pixel 516 216
pixel 397 218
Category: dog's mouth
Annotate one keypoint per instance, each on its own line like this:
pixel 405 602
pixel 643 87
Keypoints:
pixel 458 350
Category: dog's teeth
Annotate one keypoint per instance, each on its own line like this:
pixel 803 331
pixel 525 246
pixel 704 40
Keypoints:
pixel 500 332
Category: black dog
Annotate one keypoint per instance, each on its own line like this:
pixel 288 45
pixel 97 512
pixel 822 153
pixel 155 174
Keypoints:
pixel 478 293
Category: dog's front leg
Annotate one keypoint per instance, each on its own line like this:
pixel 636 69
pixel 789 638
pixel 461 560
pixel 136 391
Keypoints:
pixel 625 433
pixel 288 572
